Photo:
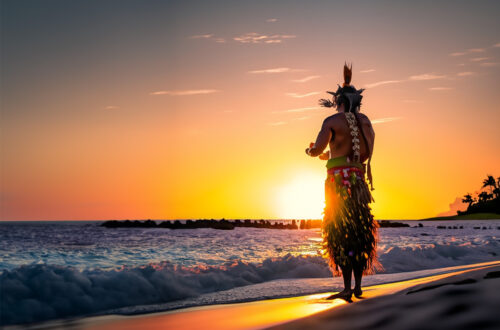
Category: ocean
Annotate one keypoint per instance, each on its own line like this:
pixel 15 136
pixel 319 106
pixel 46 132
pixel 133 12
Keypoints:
pixel 53 270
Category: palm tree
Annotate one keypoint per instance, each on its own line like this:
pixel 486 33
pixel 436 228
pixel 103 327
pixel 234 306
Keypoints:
pixel 468 199
pixel 484 196
pixel 490 181
pixel 496 191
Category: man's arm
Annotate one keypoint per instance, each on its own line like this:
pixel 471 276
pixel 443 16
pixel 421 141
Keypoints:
pixel 324 136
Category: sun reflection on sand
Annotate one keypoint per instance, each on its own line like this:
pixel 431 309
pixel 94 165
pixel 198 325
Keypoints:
pixel 234 316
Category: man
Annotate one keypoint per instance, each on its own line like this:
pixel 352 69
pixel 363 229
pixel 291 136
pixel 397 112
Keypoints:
pixel 349 230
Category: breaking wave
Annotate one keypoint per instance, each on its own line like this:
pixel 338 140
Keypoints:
pixel 40 292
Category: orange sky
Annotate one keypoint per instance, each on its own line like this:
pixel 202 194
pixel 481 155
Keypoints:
pixel 188 110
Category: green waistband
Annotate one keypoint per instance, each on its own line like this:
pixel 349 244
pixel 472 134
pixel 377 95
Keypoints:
pixel 342 161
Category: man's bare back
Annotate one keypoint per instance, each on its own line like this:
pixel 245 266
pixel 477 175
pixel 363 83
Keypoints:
pixel 341 144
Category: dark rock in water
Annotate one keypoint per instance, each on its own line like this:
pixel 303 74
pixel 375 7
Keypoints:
pixel 110 224
pixel 420 225
pixel 424 234
pixel 441 227
pixel 391 224
pixel 149 223
pixel 223 224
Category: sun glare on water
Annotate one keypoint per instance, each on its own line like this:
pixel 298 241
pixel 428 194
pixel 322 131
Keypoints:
pixel 302 197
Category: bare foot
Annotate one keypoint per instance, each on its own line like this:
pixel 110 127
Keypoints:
pixel 358 292
pixel 345 294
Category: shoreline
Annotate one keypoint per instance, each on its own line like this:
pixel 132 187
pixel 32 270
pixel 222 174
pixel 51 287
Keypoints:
pixel 256 314
pixel 467 300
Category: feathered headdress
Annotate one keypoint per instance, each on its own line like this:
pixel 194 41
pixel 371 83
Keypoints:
pixel 348 91
pixel 347 75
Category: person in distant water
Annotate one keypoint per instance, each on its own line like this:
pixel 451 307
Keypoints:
pixel 349 230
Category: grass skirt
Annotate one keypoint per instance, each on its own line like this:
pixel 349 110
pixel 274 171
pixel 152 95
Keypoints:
pixel 349 230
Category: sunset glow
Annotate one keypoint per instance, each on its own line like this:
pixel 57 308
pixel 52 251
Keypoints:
pixel 197 109
pixel 302 197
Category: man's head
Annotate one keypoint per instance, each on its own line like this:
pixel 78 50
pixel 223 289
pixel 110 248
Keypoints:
pixel 346 95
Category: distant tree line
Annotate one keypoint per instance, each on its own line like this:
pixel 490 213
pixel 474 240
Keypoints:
pixel 215 224
pixel 484 202
pixel 224 224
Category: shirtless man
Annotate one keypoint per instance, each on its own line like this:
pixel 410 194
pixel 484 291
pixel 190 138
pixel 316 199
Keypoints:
pixel 349 230
pixel 335 132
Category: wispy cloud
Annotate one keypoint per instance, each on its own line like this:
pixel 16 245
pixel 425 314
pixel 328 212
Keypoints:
pixel 185 92
pixel 366 71
pixel 426 76
pixel 271 20
pixel 479 59
pixel 111 107
pixel 489 64
pixel 420 77
pixel 302 118
pixel 296 95
pixel 202 36
pixel 465 74
pixel 381 83
pixel 274 70
pixel 257 38
pixel 210 36
pixel 385 120
pixel 440 88
pixel 297 110
pixel 305 79
pixel 475 50
pixel 277 123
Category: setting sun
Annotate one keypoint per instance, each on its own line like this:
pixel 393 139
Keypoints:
pixel 302 197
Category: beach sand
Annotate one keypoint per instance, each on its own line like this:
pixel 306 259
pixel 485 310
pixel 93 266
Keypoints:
pixel 468 300
pixel 463 299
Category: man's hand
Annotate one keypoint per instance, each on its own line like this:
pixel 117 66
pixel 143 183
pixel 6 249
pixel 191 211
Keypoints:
pixel 311 145
pixel 325 155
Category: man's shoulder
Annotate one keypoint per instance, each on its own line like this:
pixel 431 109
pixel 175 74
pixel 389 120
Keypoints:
pixel 333 118
pixel 364 118
pixel 362 115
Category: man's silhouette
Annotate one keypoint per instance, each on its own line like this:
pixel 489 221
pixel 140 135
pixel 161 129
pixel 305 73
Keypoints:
pixel 349 230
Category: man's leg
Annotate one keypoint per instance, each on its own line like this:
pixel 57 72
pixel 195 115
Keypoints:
pixel 358 275
pixel 347 275
pixel 345 294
